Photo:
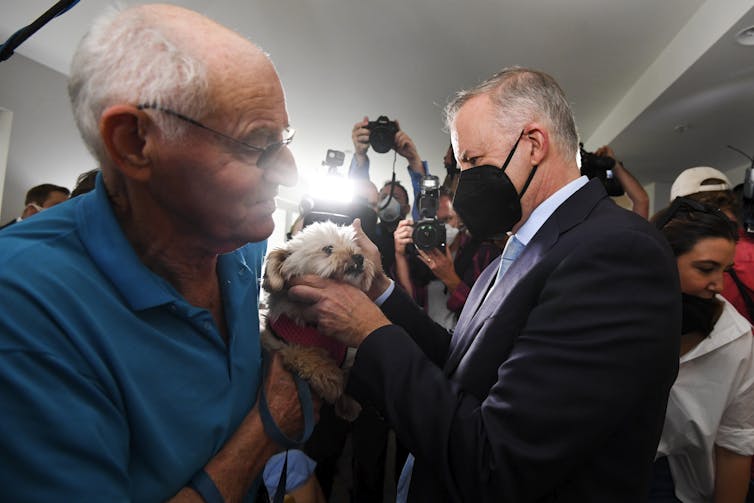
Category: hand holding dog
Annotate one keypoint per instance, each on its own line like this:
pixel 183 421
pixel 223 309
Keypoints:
pixel 381 282
pixel 337 309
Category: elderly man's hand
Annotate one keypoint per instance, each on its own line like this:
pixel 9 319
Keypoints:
pixel 337 309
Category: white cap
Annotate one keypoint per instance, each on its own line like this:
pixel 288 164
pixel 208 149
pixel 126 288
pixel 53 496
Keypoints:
pixel 692 181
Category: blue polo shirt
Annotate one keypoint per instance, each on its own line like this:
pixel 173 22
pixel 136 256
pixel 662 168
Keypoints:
pixel 113 387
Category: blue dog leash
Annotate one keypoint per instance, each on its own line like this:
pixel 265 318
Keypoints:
pixel 271 428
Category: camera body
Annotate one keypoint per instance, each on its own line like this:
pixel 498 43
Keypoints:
pixel 334 159
pixel 429 232
pixel 601 167
pixel 382 134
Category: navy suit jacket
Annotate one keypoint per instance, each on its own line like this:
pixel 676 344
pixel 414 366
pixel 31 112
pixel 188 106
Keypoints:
pixel 552 389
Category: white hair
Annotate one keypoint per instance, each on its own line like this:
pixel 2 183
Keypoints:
pixel 522 95
pixel 127 57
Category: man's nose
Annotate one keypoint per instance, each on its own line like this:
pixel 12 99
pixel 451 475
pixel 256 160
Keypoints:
pixel 282 169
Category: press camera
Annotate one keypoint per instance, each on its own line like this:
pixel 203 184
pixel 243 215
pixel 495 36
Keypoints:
pixel 601 167
pixel 382 134
pixel 429 232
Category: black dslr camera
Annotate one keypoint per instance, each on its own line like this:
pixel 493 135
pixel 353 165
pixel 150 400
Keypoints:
pixel 428 231
pixel 382 134
pixel 597 166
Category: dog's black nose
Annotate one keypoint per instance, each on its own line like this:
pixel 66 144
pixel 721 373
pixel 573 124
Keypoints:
pixel 358 260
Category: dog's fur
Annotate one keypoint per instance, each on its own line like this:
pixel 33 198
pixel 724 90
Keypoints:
pixel 329 251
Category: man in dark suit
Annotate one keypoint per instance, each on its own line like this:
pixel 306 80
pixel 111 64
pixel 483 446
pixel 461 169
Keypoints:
pixel 553 386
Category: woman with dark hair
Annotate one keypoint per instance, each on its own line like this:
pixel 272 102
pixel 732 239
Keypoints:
pixel 708 435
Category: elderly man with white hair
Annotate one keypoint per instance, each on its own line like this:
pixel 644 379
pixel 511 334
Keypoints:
pixel 130 362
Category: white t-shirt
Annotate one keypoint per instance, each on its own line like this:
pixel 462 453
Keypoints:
pixel 711 402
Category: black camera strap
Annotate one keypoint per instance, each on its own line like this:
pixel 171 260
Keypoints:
pixel 382 206
pixel 10 45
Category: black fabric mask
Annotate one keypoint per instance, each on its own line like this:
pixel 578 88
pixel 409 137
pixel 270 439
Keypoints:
pixel 700 315
pixel 487 201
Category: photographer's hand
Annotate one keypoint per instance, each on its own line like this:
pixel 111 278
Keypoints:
pixel 360 138
pixel 605 151
pixel 441 265
pixel 405 147
pixel 634 190
pixel 403 236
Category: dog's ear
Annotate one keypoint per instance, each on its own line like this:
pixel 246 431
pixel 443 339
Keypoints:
pixel 273 275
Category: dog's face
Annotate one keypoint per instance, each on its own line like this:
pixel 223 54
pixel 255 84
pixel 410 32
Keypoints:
pixel 323 249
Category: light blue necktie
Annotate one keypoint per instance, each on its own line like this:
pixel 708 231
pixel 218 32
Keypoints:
pixel 513 248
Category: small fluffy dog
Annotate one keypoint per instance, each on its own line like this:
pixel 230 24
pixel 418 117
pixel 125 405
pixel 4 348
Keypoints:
pixel 329 251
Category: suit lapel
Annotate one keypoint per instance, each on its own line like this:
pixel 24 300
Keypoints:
pixel 478 309
pixel 476 296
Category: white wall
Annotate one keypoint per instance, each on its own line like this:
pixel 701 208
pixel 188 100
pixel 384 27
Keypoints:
pixel 43 129
pixel 6 121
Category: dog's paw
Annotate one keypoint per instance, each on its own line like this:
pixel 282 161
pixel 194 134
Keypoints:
pixel 317 368
pixel 347 408
pixel 270 341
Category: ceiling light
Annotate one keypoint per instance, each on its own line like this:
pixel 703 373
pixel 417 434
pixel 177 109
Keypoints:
pixel 746 36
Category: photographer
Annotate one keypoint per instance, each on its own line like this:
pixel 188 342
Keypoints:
pixel 394 204
pixel 634 190
pixel 402 144
pixel 454 268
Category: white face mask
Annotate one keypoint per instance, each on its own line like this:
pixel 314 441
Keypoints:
pixel 389 211
pixel 450 233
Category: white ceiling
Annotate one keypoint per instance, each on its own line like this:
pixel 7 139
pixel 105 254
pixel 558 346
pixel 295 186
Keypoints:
pixel 633 70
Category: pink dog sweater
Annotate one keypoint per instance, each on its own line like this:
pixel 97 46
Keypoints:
pixel 287 329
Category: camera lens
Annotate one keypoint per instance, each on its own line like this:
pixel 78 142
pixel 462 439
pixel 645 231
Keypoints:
pixel 429 234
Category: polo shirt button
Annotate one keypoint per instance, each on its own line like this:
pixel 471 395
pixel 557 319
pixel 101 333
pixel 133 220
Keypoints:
pixel 207 325
pixel 173 308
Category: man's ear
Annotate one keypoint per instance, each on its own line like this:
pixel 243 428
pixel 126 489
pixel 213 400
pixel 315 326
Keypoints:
pixel 122 128
pixel 539 139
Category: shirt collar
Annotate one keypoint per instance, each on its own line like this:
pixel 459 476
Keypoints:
pixel 114 255
pixel 542 212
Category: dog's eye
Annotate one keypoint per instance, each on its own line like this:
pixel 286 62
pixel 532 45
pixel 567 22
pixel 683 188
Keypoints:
pixel 327 249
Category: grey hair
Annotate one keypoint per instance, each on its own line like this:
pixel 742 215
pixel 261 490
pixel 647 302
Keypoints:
pixel 127 57
pixel 522 95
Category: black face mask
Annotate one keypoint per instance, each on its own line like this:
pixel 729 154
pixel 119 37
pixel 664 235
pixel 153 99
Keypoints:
pixel 700 315
pixel 487 201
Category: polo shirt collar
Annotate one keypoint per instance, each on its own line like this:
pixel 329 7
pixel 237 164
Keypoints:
pixel 114 255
